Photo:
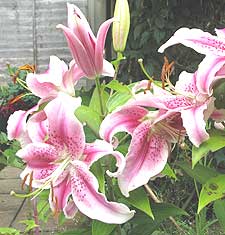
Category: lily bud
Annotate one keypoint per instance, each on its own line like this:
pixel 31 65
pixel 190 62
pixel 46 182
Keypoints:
pixel 121 25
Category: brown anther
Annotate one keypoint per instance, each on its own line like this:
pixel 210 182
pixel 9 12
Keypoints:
pixel 167 69
pixel 31 180
pixel 24 181
pixel 27 67
pixel 148 87
pixel 14 76
pixel 15 99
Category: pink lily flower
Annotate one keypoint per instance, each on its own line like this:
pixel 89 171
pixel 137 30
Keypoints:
pixel 202 42
pixel 57 78
pixel 152 134
pixel 58 158
pixel 212 67
pixel 86 49
pixel 185 99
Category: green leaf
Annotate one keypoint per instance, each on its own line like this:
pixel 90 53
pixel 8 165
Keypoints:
pixel 139 199
pixel 169 172
pixel 30 224
pixel 95 102
pixel 212 190
pixel 214 143
pixel 119 87
pixel 98 171
pixel 161 211
pixel 118 99
pixel 9 231
pixel 199 173
pixel 219 209
pixel 3 138
pixel 78 231
pixel 102 228
pixel 90 117
pixel 165 210
pixel 43 207
pixel 12 159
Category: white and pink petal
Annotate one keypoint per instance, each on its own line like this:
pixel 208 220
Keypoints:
pixel 146 157
pixel 92 203
pixel 99 149
pixel 126 119
pixel 65 131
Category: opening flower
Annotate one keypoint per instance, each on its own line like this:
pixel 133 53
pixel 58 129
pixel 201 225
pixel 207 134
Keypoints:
pixel 86 49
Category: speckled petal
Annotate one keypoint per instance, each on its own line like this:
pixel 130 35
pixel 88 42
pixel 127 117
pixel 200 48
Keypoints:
pixel 220 33
pixel 59 199
pixel 124 119
pixel 38 155
pixel 146 157
pixel 40 175
pixel 65 131
pixel 200 41
pixel 99 149
pixel 186 84
pixel 92 203
pixel 209 71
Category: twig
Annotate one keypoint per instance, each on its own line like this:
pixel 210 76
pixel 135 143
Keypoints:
pixel 156 200
pixel 17 213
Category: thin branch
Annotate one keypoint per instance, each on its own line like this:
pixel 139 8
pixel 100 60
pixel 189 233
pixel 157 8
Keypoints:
pixel 156 200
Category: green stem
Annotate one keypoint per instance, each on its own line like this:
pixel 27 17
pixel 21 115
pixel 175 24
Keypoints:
pixel 117 66
pixel 98 85
pixel 196 188
pixel 22 83
pixel 140 61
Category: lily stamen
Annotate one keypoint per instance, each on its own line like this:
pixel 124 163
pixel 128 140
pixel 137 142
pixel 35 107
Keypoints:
pixel 31 180
pixel 24 181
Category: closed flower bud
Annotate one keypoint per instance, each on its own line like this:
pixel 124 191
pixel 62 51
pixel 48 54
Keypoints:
pixel 121 25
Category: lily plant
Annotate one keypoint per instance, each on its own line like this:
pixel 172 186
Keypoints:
pixel 156 117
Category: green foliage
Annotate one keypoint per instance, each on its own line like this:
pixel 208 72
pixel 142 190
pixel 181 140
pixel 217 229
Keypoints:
pixel 219 209
pixel 212 190
pixel 153 22
pixel 119 87
pixel 30 225
pixel 139 199
pixel 95 100
pixel 78 231
pixel 8 151
pixel 102 228
pixel 90 117
pixel 144 225
pixel 200 173
pixel 98 171
pixel 214 143
pixel 168 171
pixel 119 98
pixel 9 231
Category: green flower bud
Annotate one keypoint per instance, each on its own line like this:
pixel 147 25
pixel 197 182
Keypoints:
pixel 121 25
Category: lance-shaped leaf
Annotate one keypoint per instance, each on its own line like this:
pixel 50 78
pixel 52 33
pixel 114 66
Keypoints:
pixel 212 190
